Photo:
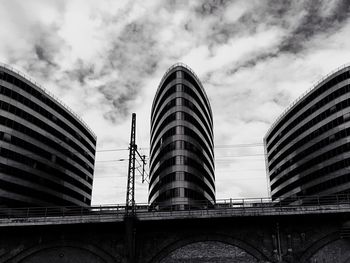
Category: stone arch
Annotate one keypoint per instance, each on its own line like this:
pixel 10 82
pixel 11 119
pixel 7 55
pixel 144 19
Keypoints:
pixel 93 250
pixel 165 251
pixel 318 245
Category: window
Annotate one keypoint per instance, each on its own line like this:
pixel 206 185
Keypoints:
pixel 346 116
pixel 7 137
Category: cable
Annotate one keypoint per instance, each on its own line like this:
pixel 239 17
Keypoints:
pixel 216 146
pixel 117 160
pixel 112 150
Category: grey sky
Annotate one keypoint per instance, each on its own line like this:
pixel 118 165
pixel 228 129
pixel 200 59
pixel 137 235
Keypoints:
pixel 105 60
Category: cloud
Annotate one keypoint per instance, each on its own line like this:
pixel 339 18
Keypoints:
pixel 106 59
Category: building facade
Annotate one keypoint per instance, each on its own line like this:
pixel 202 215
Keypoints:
pixel 182 147
pixel 47 153
pixel 308 148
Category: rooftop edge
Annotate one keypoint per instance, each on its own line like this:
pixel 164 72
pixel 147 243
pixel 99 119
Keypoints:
pixel 304 95
pixel 51 95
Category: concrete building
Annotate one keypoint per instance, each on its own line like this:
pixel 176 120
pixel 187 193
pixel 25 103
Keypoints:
pixel 308 147
pixel 46 152
pixel 181 155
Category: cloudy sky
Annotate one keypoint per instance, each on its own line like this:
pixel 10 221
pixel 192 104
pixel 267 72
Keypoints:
pixel 105 60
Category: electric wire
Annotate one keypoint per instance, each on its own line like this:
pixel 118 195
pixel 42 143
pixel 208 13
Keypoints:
pixel 216 146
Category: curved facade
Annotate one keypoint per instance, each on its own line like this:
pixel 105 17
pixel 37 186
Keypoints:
pixel 308 148
pixel 181 155
pixel 46 152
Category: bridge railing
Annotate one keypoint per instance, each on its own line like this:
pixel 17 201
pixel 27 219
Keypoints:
pixel 236 205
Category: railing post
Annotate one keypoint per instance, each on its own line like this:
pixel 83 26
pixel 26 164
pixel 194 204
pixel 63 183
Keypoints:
pixel 27 213
pixel 45 212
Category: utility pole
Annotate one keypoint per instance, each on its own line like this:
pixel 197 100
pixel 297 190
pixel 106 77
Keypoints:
pixel 130 215
pixel 130 188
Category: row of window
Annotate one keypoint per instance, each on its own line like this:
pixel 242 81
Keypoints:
pixel 328 126
pixel 179 101
pixel 315 107
pixel 194 83
pixel 317 119
pixel 187 90
pixel 43 125
pixel 181 176
pixel 57 186
pixel 167 93
pixel 191 106
pixel 47 100
pixel 306 140
pixel 180 115
pixel 314 94
pixel 37 108
pixel 48 169
pixel 181 145
pixel 313 162
pixel 39 137
pixel 176 192
pixel 337 181
pixel 326 170
pixel 29 192
pixel 315 147
pixel 183 160
pixel 167 80
pixel 182 130
pixel 88 171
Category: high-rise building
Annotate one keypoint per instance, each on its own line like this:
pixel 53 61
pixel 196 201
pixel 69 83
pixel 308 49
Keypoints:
pixel 308 147
pixel 47 153
pixel 181 155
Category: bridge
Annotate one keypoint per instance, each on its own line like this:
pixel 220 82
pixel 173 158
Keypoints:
pixel 234 230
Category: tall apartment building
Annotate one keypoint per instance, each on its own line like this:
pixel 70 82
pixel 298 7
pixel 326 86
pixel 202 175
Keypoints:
pixel 182 147
pixel 46 152
pixel 308 147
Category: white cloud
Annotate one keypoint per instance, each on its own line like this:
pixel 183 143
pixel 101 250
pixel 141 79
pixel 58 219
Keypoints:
pixel 106 58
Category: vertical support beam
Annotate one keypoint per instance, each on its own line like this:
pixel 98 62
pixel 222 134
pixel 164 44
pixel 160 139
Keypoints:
pixel 130 238
pixel 279 249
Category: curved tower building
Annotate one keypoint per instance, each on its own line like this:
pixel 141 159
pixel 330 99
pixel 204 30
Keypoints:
pixel 181 155
pixel 46 152
pixel 308 148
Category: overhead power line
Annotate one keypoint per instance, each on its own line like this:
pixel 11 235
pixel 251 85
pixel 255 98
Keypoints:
pixel 216 146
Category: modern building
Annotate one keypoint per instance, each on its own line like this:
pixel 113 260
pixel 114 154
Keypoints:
pixel 181 154
pixel 47 153
pixel 308 147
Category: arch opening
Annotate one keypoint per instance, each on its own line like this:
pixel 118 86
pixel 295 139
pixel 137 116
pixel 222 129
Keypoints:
pixel 335 251
pixel 209 251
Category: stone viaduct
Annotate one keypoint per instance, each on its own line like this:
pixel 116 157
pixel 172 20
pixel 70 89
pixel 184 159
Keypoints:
pixel 297 234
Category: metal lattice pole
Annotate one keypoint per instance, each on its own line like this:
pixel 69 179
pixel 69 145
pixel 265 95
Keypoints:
pixel 130 188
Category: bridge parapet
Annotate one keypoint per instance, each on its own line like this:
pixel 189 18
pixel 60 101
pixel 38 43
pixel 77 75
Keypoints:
pixel 253 207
